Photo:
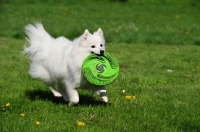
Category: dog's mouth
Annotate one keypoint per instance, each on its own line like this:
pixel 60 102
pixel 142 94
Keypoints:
pixel 101 53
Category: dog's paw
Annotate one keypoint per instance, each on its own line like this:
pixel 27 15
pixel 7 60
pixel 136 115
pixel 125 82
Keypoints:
pixel 104 99
pixel 72 103
pixel 57 95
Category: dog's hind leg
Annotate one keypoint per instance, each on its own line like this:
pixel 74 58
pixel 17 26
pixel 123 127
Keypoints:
pixel 61 89
pixel 72 94
pixel 53 90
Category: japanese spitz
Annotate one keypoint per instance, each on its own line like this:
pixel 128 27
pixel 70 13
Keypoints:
pixel 58 61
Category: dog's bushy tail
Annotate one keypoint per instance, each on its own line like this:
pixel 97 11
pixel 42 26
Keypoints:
pixel 36 37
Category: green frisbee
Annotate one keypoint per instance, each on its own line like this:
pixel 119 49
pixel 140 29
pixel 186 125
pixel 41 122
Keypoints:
pixel 100 70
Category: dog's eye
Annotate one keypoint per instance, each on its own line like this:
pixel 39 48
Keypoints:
pixel 93 46
pixel 101 45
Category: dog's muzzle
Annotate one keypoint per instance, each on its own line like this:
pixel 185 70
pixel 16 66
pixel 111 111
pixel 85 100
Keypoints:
pixel 101 53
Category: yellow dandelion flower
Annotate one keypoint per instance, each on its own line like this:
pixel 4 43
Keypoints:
pixel 7 104
pixel 80 123
pixel 128 97
pixel 22 114
pixel 37 123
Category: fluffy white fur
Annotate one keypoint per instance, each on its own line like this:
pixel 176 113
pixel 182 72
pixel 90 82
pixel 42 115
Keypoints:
pixel 59 61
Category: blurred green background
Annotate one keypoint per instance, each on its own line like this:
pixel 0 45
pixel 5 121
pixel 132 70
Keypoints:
pixel 128 21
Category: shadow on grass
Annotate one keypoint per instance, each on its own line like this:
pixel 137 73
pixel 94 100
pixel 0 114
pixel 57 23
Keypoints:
pixel 48 96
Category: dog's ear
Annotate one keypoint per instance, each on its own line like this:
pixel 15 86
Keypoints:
pixel 99 32
pixel 86 34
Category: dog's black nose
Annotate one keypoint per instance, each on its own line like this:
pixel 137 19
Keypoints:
pixel 101 52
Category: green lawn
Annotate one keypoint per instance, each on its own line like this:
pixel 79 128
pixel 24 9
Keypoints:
pixel 130 22
pixel 156 44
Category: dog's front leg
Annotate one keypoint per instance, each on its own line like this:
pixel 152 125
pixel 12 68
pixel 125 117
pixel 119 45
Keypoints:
pixel 102 92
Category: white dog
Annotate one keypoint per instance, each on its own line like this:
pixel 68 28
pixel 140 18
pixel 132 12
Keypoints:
pixel 59 61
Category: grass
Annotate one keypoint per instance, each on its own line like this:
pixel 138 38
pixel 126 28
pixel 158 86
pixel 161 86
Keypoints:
pixel 129 22
pixel 146 47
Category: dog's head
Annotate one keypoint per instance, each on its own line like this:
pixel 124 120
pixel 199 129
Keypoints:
pixel 95 43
